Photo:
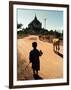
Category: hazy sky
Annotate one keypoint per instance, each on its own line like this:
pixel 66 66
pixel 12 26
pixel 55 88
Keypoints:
pixel 54 19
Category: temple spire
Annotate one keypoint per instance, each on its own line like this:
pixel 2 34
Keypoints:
pixel 35 16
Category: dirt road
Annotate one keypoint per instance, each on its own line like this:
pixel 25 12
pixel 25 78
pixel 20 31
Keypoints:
pixel 51 64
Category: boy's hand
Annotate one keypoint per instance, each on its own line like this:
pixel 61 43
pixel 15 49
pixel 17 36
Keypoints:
pixel 41 52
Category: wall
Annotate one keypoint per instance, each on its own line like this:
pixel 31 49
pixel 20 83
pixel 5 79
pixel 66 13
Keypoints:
pixel 4 44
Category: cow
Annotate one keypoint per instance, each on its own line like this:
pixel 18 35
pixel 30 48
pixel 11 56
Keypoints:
pixel 56 44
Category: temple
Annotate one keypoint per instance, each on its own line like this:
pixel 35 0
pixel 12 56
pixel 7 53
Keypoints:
pixel 35 24
pixel 35 27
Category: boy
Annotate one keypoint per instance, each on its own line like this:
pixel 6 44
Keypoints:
pixel 34 58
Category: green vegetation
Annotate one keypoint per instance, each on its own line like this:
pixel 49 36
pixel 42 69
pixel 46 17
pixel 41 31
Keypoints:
pixel 19 26
pixel 40 32
pixel 36 31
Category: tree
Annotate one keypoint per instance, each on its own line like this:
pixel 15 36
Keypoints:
pixel 19 26
pixel 51 32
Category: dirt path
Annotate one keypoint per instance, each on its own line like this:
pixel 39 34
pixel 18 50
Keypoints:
pixel 51 64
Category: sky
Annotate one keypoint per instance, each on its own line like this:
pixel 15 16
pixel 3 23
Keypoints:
pixel 54 18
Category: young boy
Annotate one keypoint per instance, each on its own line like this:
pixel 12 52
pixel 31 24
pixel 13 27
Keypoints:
pixel 34 58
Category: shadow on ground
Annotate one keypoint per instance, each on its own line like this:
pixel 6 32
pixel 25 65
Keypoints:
pixel 58 53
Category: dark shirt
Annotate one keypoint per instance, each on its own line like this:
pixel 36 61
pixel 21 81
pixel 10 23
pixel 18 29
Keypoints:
pixel 34 59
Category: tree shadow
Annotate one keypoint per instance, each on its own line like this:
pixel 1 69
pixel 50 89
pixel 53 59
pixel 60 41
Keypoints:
pixel 58 53
pixel 37 77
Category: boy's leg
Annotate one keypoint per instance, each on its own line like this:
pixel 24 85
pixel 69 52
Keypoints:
pixel 33 71
pixel 36 72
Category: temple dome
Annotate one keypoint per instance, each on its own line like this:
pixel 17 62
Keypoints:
pixel 35 24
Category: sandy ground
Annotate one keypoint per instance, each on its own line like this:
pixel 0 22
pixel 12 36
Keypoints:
pixel 51 64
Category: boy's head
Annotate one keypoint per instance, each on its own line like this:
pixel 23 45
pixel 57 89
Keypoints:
pixel 34 44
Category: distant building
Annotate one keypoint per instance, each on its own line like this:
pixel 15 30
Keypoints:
pixel 35 27
pixel 35 24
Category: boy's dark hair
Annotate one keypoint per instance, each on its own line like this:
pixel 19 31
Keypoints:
pixel 34 44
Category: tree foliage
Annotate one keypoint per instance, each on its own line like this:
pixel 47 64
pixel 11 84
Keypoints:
pixel 19 26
